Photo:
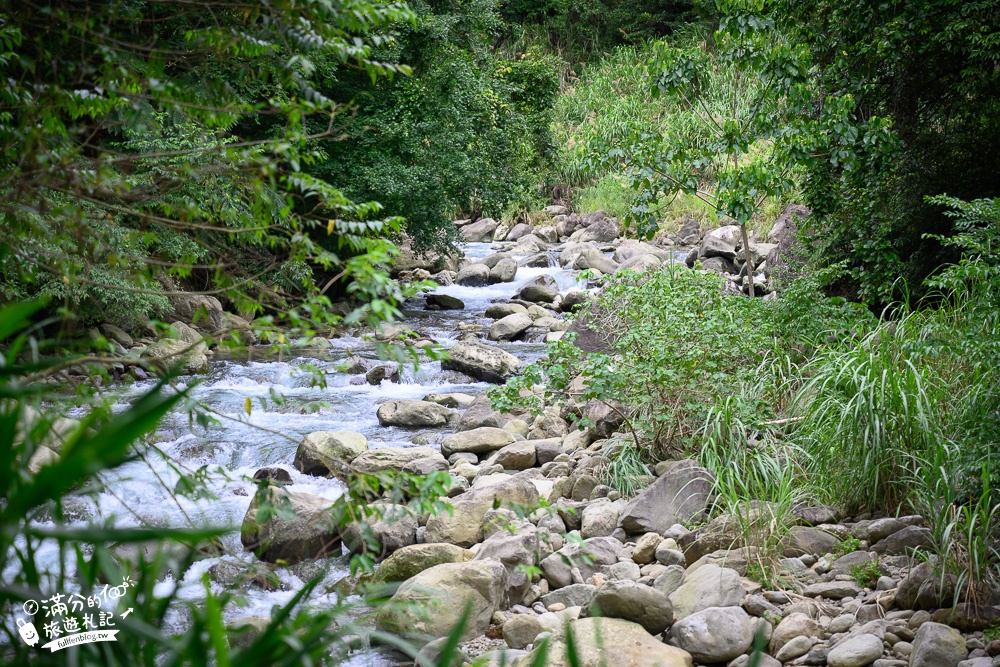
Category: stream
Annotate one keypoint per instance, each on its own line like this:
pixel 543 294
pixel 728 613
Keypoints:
pixel 141 491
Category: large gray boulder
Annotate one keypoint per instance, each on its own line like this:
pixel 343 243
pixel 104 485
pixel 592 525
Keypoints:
pixel 430 604
pixel 464 525
pixel 592 258
pixel 715 634
pixel 677 496
pixel 482 440
pixel 708 586
pixel 390 458
pixel 411 560
pixel 388 529
pixel 169 352
pixel 937 645
pixel 630 248
pixel 601 231
pixel 473 275
pixel 203 311
pixel 483 362
pixel 309 532
pixel 855 652
pixel 480 231
pixel 517 551
pixel 510 327
pixel 503 271
pixel 324 452
pixel 603 642
pixel 633 602
pixel 413 414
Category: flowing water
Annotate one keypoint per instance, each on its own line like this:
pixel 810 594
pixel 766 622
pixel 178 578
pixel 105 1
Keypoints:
pixel 141 491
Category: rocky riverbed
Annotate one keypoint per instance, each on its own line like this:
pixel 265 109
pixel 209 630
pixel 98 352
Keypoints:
pixel 536 543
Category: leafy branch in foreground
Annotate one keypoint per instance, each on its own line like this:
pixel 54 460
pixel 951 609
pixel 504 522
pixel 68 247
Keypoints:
pixel 151 146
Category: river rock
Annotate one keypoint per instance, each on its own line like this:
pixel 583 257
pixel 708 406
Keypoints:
pixel 168 353
pixel 794 625
pixel 473 275
pixel 482 440
pixel 630 248
pixel 323 452
pixel 804 540
pixel 500 310
pixel 601 231
pixel 834 590
pixel 309 533
pixel 392 527
pixel 480 231
pixel 517 552
pixel 413 414
pixel 516 456
pixel 713 246
pixel 855 652
pixel 510 327
pixel 937 645
pixel 678 495
pixel 504 271
pixel 601 642
pixel 198 309
pixel 903 542
pixel 538 294
pixel 430 604
pixel 444 302
pixel 589 557
pixel 484 362
pixel 390 458
pixel 520 630
pixel 464 526
pixel 592 258
pixel 574 595
pixel 452 400
pixel 518 231
pixel 641 264
pixel 411 560
pixel 117 334
pixel 633 602
pixel 715 634
pixel 708 586
pixel 600 518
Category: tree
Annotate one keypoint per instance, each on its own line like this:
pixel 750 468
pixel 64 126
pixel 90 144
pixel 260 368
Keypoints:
pixel 931 68
pixel 150 143
pixel 748 141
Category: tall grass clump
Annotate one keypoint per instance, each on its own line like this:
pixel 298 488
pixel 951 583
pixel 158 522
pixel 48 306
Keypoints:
pixel 757 482
pixel 868 410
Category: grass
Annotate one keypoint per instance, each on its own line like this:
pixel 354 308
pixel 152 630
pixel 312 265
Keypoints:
pixel 757 483
pixel 622 468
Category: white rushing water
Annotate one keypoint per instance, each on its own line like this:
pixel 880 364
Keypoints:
pixel 141 491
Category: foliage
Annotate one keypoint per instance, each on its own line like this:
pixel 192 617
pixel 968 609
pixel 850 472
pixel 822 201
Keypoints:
pixel 866 574
pixel 582 31
pixel 143 163
pixel 679 347
pixel 846 546
pixel 920 381
pixel 757 482
pixel 964 523
pixel 467 133
pixel 929 68
pixel 622 468
pixel 747 142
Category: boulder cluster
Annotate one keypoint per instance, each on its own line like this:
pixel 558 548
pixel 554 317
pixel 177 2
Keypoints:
pixel 537 546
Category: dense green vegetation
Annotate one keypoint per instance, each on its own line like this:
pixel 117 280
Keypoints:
pixel 273 155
